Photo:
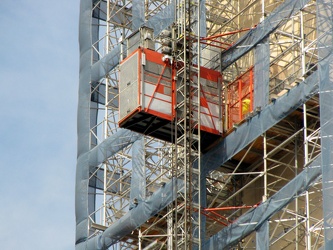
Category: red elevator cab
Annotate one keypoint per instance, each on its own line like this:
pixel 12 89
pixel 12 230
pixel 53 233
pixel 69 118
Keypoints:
pixel 147 94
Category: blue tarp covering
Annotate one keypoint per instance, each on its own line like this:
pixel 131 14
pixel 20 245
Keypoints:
pixel 255 218
pixel 325 49
pixel 276 19
pixel 259 124
pixel 89 159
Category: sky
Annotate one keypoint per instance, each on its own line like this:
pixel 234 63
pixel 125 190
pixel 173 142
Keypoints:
pixel 39 57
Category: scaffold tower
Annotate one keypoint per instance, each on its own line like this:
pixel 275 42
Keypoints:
pixel 205 124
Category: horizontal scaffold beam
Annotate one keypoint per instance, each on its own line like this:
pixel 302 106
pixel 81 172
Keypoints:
pixel 260 123
pixel 134 217
pixel 158 22
pixel 90 160
pixel 254 218
pixel 275 20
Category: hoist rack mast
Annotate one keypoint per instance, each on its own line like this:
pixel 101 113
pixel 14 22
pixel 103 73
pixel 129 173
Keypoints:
pixel 187 228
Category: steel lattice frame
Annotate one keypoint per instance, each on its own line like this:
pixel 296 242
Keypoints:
pixel 260 169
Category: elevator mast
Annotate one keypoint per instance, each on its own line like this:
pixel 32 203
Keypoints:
pixel 187 228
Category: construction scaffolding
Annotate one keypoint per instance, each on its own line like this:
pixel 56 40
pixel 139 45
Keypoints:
pixel 205 125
